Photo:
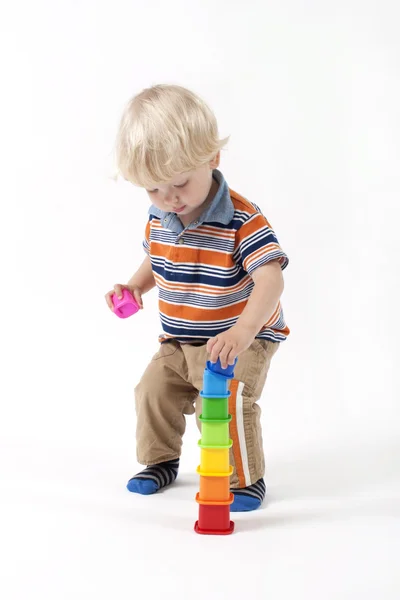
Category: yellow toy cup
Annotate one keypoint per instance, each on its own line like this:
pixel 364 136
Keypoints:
pixel 215 459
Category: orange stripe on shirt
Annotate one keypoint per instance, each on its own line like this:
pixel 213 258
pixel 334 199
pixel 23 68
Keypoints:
pixel 182 254
pixel 251 258
pixel 252 226
pixel 241 203
pixel 200 314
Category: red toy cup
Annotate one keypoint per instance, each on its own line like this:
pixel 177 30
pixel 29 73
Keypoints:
pixel 126 306
pixel 214 520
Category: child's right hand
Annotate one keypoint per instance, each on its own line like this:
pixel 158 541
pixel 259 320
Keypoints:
pixel 118 287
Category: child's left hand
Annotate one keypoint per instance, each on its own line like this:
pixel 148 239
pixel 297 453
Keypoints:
pixel 228 345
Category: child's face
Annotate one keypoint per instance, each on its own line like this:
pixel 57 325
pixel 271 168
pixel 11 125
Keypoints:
pixel 186 193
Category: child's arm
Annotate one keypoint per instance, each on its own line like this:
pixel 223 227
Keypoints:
pixel 143 278
pixel 261 305
pixel 140 283
pixel 264 298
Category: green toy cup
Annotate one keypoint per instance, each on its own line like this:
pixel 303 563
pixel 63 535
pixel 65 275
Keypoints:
pixel 215 408
pixel 215 432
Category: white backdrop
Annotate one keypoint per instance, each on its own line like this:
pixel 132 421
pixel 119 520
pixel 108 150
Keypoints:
pixel 310 94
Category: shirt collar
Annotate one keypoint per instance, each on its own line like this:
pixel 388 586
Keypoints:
pixel 220 210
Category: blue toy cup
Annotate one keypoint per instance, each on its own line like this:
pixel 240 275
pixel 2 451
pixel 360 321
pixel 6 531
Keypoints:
pixel 216 368
pixel 214 384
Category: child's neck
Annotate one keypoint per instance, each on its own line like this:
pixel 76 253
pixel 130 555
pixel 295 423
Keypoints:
pixel 188 219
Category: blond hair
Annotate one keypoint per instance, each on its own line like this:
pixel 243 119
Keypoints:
pixel 165 130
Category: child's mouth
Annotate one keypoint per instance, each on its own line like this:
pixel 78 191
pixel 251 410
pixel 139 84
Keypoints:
pixel 179 210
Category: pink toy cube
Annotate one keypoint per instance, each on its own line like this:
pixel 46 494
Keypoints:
pixel 126 306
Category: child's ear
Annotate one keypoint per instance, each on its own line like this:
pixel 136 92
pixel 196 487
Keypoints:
pixel 214 163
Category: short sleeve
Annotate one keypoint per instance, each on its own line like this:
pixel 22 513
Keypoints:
pixel 257 244
pixel 146 239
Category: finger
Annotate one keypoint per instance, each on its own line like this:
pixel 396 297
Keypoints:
pixel 216 351
pixel 223 356
pixel 211 343
pixel 118 290
pixel 109 301
pixel 232 356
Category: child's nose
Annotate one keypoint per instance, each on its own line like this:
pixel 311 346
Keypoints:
pixel 170 198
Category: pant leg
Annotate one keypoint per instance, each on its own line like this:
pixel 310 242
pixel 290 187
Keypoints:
pixel 245 428
pixel 163 397
pixel 246 454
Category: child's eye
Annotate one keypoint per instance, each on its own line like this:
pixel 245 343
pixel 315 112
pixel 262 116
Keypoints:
pixel 152 191
pixel 182 185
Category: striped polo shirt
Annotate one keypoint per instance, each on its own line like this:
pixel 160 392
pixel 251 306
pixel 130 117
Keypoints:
pixel 203 271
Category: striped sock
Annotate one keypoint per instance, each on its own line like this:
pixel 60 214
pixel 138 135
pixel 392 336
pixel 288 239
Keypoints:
pixel 155 477
pixel 249 498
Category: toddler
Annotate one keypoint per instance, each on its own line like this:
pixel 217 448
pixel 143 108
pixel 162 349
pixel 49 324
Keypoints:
pixel 218 267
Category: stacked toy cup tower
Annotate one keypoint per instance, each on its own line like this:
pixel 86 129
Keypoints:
pixel 214 497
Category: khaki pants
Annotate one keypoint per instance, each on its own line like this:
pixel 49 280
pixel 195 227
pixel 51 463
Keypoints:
pixel 169 390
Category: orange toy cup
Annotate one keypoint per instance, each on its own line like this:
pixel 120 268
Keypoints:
pixel 214 489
